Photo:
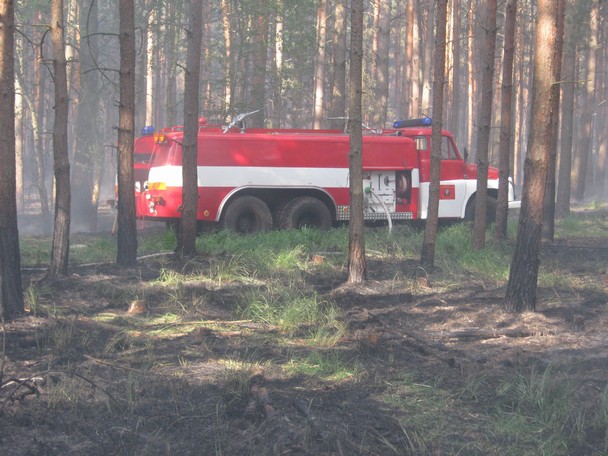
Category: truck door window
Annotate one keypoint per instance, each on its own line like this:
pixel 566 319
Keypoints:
pixel 421 143
pixel 446 149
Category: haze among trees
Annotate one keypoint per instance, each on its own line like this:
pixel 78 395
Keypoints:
pixel 288 60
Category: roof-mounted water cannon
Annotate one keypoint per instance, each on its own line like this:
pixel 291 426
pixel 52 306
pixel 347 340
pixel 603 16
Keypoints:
pixel 421 122
pixel 239 120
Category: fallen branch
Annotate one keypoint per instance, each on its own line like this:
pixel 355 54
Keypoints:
pixel 479 333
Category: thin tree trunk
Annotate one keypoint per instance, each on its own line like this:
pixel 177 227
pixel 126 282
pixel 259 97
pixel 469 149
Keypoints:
pixel 523 275
pixel 38 127
pixel 11 293
pixel 186 242
pixel 229 60
pixel 427 258
pixel 427 68
pixel 581 161
pixel 338 98
pixel 549 205
pixel 567 120
pixel 319 93
pixel 381 74
pixel 127 228
pixel 455 111
pixel 171 40
pixel 484 121
pixel 87 154
pixel 356 245
pixel 259 57
pixel 506 132
pixel 61 233
pixel 277 69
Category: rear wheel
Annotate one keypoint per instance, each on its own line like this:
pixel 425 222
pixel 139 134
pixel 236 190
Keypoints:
pixel 305 211
pixel 248 215
pixel 491 203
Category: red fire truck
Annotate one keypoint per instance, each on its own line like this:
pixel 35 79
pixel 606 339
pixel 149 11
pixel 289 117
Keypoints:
pixel 252 180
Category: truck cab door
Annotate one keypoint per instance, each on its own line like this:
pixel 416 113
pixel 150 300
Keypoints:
pixel 452 193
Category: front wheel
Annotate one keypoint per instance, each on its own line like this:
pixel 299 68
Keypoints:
pixel 305 211
pixel 248 215
pixel 491 203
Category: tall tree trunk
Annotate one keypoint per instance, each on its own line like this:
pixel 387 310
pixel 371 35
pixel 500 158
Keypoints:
pixel 319 93
pixel 408 80
pixel 38 127
pixel 455 111
pixel 484 120
pixel 127 228
pixel 523 276
pixel 151 64
pixel 549 205
pixel 259 57
pixel 229 59
pixel 430 232
pixel 61 164
pixel 338 96
pixel 11 293
pixel 87 153
pixel 381 74
pixel 19 147
pixel 171 46
pixel 415 58
pixel 356 239
pixel 581 161
pixel 472 76
pixel 506 132
pixel 427 67
pixel 567 119
pixel 602 134
pixel 277 69
pixel 186 241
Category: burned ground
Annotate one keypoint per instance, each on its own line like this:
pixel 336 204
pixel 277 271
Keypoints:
pixel 75 383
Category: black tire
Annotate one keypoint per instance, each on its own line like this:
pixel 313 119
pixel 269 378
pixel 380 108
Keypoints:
pixel 305 211
pixel 247 215
pixel 491 203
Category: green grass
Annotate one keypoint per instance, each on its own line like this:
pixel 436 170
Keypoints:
pixel 325 365
pixel 534 412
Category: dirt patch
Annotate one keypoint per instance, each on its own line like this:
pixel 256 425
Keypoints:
pixel 74 383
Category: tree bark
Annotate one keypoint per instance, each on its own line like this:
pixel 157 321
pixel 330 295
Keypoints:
pixel 581 160
pixel 427 74
pixel 430 232
pixel 186 242
pixel 61 164
pixel 338 96
pixel 506 132
pixel 549 205
pixel 39 127
pixel 523 275
pixel 319 93
pixel 127 227
pixel 381 68
pixel 484 120
pixel 259 58
pixel 567 119
pixel 356 244
pixel 87 154
pixel 11 293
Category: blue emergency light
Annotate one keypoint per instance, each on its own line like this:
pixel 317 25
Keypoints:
pixel 422 122
pixel 148 130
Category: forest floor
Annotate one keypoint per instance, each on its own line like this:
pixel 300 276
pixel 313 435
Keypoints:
pixel 84 374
